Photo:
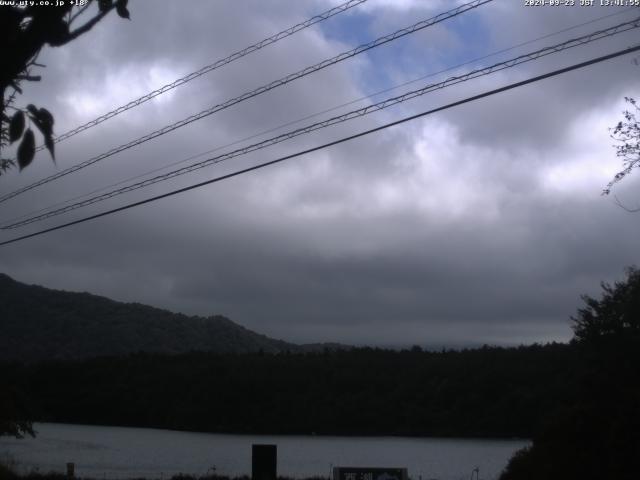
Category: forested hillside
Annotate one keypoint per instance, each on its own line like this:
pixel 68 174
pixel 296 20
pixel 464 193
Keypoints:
pixel 38 323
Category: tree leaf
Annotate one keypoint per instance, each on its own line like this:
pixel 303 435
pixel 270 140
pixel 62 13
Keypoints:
pixel 16 127
pixel 27 149
pixel 43 128
pixel 123 12
pixel 57 33
pixel 48 142
pixel 104 5
pixel 32 109
pixel 45 116
pixel 44 121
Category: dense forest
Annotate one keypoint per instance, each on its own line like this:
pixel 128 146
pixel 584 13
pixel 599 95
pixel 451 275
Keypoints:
pixel 488 392
pixel 578 401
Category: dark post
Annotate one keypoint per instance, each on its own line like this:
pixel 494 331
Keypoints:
pixel 71 467
pixel 264 462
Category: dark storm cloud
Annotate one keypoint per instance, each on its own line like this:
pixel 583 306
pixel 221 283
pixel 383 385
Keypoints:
pixel 480 224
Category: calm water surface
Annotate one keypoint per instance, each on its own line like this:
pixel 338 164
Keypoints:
pixel 116 452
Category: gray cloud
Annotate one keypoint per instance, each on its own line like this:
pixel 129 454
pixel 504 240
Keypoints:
pixel 480 224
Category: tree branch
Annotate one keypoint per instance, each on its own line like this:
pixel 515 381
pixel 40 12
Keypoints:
pixel 29 78
pixel 32 60
pixel 88 26
pixel 79 12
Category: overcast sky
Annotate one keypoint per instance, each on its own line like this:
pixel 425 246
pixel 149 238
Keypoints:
pixel 480 224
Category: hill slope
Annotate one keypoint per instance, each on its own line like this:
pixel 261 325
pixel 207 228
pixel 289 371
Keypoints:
pixel 38 323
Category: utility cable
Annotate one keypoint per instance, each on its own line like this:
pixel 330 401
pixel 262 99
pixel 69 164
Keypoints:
pixel 209 68
pixel 585 39
pixel 265 88
pixel 308 117
pixel 335 142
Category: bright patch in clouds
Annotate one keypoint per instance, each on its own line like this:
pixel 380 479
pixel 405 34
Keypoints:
pixel 448 179
pixel 120 86
pixel 586 162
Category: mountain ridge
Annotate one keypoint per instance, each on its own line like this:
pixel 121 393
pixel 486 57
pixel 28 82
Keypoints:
pixel 38 323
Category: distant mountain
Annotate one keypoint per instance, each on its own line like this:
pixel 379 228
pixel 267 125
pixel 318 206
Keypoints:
pixel 38 323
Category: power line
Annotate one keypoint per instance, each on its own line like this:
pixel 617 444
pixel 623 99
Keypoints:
pixel 583 40
pixel 335 142
pixel 287 124
pixel 265 88
pixel 209 68
pixel 339 119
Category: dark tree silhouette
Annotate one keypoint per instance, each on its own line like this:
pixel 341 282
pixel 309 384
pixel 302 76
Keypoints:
pixel 617 313
pixel 24 31
pixel 599 435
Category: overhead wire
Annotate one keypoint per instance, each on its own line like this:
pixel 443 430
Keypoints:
pixel 316 114
pixel 330 144
pixel 307 117
pixel 260 90
pixel 209 68
pixel 531 56
pixel 6 222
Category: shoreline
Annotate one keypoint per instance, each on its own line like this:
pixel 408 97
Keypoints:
pixel 312 435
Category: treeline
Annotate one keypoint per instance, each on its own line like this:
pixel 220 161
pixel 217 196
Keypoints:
pixel 486 392
pixel 598 435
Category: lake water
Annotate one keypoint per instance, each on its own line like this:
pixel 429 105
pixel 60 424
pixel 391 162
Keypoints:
pixel 116 452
